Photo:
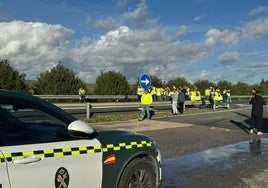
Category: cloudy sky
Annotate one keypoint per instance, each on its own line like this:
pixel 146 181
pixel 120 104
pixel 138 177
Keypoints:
pixel 195 39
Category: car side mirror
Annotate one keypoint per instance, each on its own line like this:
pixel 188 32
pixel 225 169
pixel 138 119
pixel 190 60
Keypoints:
pixel 79 129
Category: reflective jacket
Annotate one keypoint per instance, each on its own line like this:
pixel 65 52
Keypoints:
pixel 146 99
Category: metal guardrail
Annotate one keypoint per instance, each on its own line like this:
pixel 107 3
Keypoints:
pixel 90 97
pixel 111 105
pixel 89 107
pixel 121 97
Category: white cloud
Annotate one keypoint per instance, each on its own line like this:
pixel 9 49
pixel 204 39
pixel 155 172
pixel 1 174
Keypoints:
pixel 255 29
pixel 206 75
pixel 197 18
pixel 139 18
pixel 33 47
pixel 251 72
pixel 121 3
pixel 215 37
pixel 258 10
pixel 228 57
pixel 107 24
pixel 182 30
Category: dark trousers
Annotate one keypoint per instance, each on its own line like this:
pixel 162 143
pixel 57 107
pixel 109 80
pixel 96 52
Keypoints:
pixel 256 122
pixel 181 107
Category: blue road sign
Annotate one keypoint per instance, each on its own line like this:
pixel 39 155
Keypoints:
pixel 145 81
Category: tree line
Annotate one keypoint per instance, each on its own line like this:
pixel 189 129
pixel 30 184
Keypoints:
pixel 62 81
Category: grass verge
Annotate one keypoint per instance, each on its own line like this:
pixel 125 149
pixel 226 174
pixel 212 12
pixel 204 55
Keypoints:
pixel 136 115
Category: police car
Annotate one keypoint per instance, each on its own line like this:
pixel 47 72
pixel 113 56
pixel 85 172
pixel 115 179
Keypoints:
pixel 41 145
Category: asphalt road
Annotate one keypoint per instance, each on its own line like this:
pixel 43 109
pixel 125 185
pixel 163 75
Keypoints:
pixel 208 150
pixel 215 150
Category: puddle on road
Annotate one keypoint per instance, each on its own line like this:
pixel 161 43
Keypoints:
pixel 226 157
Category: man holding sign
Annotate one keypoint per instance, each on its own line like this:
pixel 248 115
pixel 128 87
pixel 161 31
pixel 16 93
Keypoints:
pixel 146 98
pixel 146 101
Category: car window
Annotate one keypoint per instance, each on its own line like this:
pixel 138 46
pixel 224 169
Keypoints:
pixel 25 124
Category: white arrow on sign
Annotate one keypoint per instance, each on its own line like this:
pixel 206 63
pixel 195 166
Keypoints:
pixel 146 81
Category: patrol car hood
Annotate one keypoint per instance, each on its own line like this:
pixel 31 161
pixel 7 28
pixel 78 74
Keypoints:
pixel 107 136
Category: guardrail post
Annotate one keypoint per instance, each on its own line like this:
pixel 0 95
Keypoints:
pixel 88 110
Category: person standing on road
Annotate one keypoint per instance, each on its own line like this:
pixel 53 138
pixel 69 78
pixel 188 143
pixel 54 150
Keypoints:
pixel 181 100
pixel 146 101
pixel 175 97
pixel 82 94
pixel 257 102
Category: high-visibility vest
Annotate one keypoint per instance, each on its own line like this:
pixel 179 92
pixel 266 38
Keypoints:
pixel 158 91
pixel 228 93
pixel 217 96
pixel 192 95
pixel 146 99
pixel 198 96
pixel 82 91
pixel 207 92
pixel 153 90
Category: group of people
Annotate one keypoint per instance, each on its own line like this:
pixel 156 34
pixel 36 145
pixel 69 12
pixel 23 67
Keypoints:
pixel 178 98
pixel 211 94
pixel 166 93
pixel 215 96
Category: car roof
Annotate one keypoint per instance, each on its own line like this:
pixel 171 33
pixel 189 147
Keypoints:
pixel 9 95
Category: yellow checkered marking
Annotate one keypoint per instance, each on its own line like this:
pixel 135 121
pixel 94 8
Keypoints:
pixel 48 153
pixel 126 146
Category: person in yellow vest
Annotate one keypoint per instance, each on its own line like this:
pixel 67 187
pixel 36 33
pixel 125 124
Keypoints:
pixel 158 93
pixel 146 102
pixel 217 95
pixel 207 93
pixel 139 92
pixel 187 93
pixel 211 96
pixel 166 94
pixel 82 94
pixel 195 94
pixel 153 92
pixel 198 96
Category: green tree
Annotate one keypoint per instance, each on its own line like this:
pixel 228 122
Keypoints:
pixel 58 81
pixel 157 82
pixel 223 84
pixel 203 84
pixel 111 83
pixel 263 87
pixel 10 78
pixel 178 82
pixel 241 88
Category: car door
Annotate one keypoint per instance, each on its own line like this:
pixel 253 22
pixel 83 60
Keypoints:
pixel 37 151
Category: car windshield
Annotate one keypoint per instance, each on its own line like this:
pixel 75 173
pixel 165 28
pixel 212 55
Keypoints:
pixel 25 124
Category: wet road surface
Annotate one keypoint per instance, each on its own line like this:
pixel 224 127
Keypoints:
pixel 242 164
